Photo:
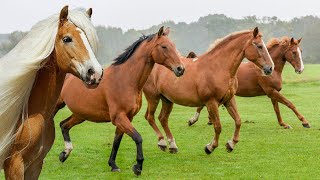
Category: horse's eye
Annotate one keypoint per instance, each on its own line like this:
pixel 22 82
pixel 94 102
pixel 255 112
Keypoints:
pixel 164 47
pixel 67 39
pixel 259 46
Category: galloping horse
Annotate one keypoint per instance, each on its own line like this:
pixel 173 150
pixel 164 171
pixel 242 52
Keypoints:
pixel 210 80
pixel 119 96
pixel 33 75
pixel 251 83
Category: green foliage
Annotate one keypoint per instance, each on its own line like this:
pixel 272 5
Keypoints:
pixel 197 36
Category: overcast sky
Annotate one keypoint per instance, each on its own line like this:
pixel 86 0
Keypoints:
pixel 140 14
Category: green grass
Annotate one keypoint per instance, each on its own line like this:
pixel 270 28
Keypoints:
pixel 265 150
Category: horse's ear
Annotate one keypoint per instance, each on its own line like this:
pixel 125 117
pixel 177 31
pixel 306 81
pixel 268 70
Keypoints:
pixel 255 32
pixel 160 32
pixel 166 31
pixel 292 41
pixel 299 40
pixel 63 15
pixel 89 12
pixel 192 55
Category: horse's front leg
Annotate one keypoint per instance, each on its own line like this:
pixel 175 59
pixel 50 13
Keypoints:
pixel 233 111
pixel 213 111
pixel 116 143
pixel 124 125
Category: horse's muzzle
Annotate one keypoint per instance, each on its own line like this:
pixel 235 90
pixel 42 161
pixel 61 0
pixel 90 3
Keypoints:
pixel 267 70
pixel 92 78
pixel 178 71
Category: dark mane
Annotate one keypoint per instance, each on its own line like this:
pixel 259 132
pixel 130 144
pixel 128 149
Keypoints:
pixel 123 57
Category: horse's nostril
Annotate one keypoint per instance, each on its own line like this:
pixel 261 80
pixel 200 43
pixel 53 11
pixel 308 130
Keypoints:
pixel 90 71
pixel 179 68
pixel 270 69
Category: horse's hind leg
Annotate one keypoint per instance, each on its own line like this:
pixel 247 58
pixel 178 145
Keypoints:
pixel 65 126
pixel 163 118
pixel 153 102
pixel 195 118
pixel 277 111
pixel 280 98
pixel 232 110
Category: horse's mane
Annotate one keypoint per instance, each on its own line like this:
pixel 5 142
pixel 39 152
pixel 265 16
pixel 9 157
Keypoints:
pixel 19 68
pixel 123 57
pixel 219 42
pixel 283 41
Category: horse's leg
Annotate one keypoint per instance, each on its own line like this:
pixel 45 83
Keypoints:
pixel 163 118
pixel 116 143
pixel 213 111
pixel 151 109
pixel 124 125
pixel 277 111
pixel 14 167
pixel 233 111
pixel 34 170
pixel 65 126
pixel 280 98
pixel 195 118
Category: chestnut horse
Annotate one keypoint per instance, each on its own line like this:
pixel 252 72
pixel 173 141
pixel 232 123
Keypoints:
pixel 118 97
pixel 210 80
pixel 251 83
pixel 33 75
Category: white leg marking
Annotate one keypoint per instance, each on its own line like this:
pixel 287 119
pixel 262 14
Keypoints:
pixel 68 147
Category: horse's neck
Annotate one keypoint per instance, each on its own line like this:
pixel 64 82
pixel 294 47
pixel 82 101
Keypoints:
pixel 138 67
pixel 277 55
pixel 46 88
pixel 227 57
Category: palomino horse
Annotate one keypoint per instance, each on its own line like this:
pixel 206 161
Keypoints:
pixel 33 75
pixel 118 97
pixel 209 80
pixel 251 83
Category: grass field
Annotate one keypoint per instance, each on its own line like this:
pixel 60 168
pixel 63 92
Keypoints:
pixel 265 150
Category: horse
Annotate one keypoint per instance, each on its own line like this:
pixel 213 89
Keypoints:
pixel 281 50
pixel 33 75
pixel 210 80
pixel 119 96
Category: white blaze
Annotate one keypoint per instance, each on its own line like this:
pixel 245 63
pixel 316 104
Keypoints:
pixel 300 57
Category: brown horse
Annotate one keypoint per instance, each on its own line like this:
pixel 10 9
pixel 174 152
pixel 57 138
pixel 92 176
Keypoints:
pixel 118 97
pixel 33 75
pixel 251 83
pixel 209 80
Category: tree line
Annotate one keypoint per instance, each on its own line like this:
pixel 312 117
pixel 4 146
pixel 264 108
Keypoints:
pixel 197 36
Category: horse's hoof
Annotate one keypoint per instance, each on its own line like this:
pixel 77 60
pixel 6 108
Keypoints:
pixel 190 123
pixel 209 123
pixel 63 156
pixel 288 127
pixel 136 170
pixel 306 125
pixel 207 150
pixel 162 148
pixel 229 148
pixel 173 150
pixel 115 170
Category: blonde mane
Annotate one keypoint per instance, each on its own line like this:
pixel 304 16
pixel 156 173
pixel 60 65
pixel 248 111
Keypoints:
pixel 220 41
pixel 283 41
pixel 19 68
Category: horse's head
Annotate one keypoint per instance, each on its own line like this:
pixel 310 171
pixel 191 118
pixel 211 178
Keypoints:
pixel 74 52
pixel 165 52
pixel 293 55
pixel 257 52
